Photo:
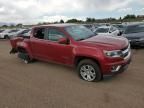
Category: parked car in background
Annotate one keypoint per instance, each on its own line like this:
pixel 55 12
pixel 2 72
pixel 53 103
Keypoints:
pixel 120 27
pixel 74 45
pixel 5 34
pixel 25 33
pixel 107 30
pixel 20 32
pixel 89 26
pixel 135 34
pixel 12 33
pixel 1 31
pixel 97 25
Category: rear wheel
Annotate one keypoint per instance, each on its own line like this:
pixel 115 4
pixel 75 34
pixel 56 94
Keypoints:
pixel 89 70
pixel 25 57
pixel 6 37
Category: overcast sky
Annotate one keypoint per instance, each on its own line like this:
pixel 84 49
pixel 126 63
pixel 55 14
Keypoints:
pixel 34 11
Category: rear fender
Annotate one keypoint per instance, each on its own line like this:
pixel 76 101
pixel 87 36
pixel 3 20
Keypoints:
pixel 24 45
pixel 14 41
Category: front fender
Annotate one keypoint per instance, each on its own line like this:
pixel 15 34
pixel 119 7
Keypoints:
pixel 90 53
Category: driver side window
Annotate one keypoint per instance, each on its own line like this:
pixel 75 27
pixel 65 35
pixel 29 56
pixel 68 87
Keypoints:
pixel 54 35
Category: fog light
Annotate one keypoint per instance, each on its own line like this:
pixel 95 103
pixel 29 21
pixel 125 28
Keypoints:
pixel 115 68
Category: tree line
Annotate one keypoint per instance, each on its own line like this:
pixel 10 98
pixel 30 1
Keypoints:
pixel 127 18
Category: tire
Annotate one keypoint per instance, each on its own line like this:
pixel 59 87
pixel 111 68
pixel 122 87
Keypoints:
pixel 6 37
pixel 89 70
pixel 25 57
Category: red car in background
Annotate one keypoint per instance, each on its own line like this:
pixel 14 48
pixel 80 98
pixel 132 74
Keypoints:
pixel 94 56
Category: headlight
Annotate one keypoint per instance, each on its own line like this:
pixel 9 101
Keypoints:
pixel 115 53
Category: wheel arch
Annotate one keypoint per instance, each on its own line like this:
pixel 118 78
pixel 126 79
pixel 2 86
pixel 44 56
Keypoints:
pixel 80 58
pixel 6 36
pixel 24 48
pixel 21 49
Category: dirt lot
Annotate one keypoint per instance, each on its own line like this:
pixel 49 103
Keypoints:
pixel 47 85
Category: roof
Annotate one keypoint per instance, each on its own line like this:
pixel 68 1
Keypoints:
pixel 57 25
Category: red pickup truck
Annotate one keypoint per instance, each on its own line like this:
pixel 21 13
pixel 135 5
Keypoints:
pixel 94 56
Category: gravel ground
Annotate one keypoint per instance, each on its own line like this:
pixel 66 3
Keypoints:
pixel 47 85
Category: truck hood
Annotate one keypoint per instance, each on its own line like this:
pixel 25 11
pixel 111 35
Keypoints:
pixel 107 42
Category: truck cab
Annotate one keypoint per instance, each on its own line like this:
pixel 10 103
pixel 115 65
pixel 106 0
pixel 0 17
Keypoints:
pixel 94 56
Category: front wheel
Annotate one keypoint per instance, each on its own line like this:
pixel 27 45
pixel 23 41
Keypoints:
pixel 88 70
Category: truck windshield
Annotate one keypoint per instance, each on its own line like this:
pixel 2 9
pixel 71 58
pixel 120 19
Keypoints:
pixel 79 32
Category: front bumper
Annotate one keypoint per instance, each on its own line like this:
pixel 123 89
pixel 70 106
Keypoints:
pixel 117 66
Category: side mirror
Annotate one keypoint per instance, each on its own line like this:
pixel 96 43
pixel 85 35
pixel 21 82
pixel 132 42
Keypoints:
pixel 63 41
